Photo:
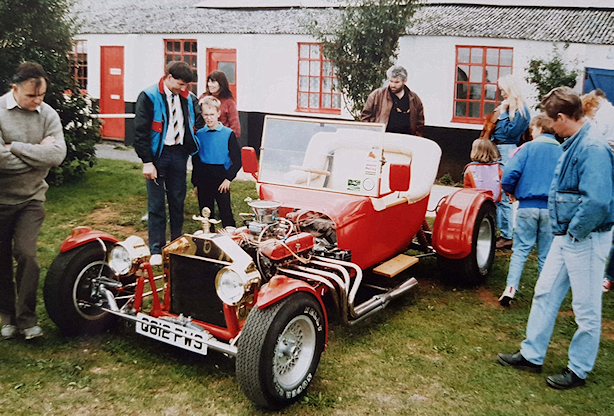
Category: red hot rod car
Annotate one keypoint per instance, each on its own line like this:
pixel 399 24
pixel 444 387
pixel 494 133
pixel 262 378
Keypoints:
pixel 336 199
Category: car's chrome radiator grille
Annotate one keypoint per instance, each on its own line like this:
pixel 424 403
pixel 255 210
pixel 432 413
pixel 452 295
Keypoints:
pixel 193 293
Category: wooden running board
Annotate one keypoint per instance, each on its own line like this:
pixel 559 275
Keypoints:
pixel 395 265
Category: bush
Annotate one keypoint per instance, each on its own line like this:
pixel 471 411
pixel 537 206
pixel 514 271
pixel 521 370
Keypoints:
pixel 546 74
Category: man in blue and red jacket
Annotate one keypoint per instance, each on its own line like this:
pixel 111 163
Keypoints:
pixel 166 118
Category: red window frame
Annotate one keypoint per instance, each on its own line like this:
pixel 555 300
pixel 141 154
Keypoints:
pixel 183 50
pixel 316 81
pixel 477 69
pixel 77 59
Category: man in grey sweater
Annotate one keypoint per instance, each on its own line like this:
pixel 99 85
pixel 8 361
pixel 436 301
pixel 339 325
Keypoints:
pixel 31 142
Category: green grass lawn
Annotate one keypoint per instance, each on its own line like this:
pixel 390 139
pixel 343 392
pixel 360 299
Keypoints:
pixel 430 353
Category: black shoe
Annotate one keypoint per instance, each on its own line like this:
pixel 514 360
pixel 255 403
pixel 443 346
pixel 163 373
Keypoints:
pixel 519 362
pixel 567 380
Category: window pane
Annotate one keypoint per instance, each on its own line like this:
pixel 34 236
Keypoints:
pixel 460 109
pixel 314 84
pixel 506 57
pixel 463 55
pixel 194 49
pixel 228 68
pixel 315 52
pixel 303 99
pixel 314 100
pixel 504 70
pixel 187 46
pixel 489 108
pixel 461 72
pixel 336 100
pixel 335 88
pixel 177 46
pixel 326 85
pixel 303 83
pixel 303 68
pixel 475 92
pixel 492 56
pixel 490 92
pixel 169 46
pixel 461 91
pixel 474 110
pixel 194 76
pixel 327 68
pixel 476 74
pixel 491 74
pixel 304 51
pixel 314 68
pixel 326 101
pixel 477 55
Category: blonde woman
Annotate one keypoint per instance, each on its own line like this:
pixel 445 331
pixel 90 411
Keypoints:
pixel 512 122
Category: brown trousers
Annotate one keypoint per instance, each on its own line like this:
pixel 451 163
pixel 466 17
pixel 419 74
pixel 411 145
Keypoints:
pixel 19 228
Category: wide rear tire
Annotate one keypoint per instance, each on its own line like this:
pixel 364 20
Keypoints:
pixel 67 291
pixel 279 350
pixel 477 266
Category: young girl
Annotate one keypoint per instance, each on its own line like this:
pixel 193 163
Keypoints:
pixel 484 172
pixel 216 164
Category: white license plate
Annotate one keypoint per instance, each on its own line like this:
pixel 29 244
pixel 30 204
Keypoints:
pixel 172 334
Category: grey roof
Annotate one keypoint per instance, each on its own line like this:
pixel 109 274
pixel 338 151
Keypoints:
pixel 574 25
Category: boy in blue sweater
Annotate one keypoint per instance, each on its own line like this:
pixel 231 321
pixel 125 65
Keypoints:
pixel 216 164
pixel 527 177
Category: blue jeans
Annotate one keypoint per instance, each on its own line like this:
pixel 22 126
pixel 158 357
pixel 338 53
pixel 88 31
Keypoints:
pixel 579 265
pixel 532 226
pixel 171 184
pixel 504 207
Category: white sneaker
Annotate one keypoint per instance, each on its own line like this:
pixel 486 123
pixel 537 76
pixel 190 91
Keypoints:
pixel 32 332
pixel 156 260
pixel 9 331
pixel 507 296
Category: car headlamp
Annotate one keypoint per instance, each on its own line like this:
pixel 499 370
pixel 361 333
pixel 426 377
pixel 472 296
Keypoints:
pixel 126 256
pixel 231 285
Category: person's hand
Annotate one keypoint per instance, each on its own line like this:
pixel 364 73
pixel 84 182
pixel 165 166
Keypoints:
pixel 512 198
pixel 48 141
pixel 150 171
pixel 196 191
pixel 225 186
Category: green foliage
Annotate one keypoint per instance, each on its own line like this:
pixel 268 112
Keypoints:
pixel 42 31
pixel 547 74
pixel 363 44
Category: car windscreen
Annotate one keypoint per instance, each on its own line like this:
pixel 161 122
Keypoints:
pixel 322 154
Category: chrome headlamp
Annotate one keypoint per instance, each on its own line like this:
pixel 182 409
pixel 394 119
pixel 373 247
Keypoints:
pixel 232 284
pixel 126 256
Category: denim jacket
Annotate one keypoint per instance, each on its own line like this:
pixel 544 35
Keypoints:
pixel 581 196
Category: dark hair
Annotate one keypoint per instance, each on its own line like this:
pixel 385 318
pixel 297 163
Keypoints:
pixel 544 122
pixel 562 100
pixel 221 79
pixel 599 93
pixel 180 70
pixel 30 70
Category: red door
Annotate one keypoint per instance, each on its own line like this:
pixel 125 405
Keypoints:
pixel 224 60
pixel 112 92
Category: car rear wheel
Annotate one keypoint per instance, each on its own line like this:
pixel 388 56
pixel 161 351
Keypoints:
pixel 475 268
pixel 279 350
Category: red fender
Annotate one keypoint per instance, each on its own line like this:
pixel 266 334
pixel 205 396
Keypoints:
pixel 84 235
pixel 280 287
pixel 456 216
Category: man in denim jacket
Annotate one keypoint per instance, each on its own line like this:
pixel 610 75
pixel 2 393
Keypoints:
pixel 581 210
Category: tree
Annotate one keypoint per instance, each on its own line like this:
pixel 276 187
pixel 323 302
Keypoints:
pixel 546 74
pixel 42 31
pixel 362 44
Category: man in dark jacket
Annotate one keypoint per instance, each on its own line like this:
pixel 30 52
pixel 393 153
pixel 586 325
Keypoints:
pixel 167 116
pixel 395 105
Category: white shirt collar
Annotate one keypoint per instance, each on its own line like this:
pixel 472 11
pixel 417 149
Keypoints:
pixel 11 103
pixel 168 92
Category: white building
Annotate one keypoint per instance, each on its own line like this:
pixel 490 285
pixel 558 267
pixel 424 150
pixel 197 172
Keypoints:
pixel 454 54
